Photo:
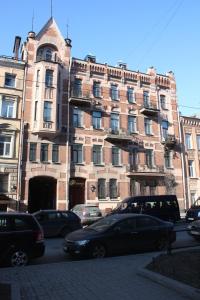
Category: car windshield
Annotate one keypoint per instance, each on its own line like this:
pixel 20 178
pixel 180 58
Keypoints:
pixel 103 224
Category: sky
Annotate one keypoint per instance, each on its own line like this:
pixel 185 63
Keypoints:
pixel 162 34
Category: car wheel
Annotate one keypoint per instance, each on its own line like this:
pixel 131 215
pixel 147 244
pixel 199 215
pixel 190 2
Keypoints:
pixel 18 258
pixel 98 251
pixel 162 244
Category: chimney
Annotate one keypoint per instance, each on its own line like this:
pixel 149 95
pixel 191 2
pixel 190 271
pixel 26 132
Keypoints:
pixel 16 47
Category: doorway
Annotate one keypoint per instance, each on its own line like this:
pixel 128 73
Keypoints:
pixel 42 193
pixel 76 191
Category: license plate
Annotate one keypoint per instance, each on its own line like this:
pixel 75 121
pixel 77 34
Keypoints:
pixel 194 232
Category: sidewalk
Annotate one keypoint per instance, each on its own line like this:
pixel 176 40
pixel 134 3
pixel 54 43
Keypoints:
pixel 109 278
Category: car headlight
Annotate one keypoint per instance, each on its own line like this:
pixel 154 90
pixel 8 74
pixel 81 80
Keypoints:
pixel 82 243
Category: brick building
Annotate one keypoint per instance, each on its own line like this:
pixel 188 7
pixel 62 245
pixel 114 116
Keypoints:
pixel 95 133
pixel 190 128
pixel 11 103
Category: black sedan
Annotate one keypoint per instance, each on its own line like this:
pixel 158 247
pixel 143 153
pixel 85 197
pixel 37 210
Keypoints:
pixel 57 222
pixel 120 233
pixel 194 229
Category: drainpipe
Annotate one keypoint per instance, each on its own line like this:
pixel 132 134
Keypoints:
pixel 185 192
pixel 67 142
pixel 20 151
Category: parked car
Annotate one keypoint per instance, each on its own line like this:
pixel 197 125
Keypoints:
pixel 193 213
pixel 164 207
pixel 87 213
pixel 120 233
pixel 57 222
pixel 194 229
pixel 21 238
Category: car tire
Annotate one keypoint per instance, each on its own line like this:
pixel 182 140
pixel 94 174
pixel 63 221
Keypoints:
pixel 98 251
pixel 18 258
pixel 162 244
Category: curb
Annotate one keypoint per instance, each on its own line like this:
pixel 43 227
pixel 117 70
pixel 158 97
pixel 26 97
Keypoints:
pixel 179 287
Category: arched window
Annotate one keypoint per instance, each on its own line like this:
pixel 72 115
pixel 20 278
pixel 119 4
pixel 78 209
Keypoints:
pixel 48 55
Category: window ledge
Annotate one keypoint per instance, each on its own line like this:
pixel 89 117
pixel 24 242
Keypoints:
pixel 117 166
pixel 33 161
pixel 98 165
pixel 45 162
pixel 56 162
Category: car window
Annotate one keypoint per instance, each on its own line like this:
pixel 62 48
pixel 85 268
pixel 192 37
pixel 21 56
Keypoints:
pixel 54 215
pixel 40 217
pixel 102 224
pixel 126 225
pixel 4 224
pixel 144 222
pixel 20 224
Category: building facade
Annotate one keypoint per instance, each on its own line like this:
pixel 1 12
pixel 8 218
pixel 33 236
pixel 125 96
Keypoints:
pixel 11 102
pixel 95 133
pixel 190 128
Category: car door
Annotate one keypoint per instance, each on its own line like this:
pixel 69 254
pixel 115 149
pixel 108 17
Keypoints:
pixel 52 223
pixel 148 231
pixel 6 236
pixel 122 235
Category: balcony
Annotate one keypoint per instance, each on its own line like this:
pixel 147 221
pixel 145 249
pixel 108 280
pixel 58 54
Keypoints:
pixel 117 136
pixel 149 109
pixel 52 59
pixel 80 98
pixel 145 171
pixel 169 141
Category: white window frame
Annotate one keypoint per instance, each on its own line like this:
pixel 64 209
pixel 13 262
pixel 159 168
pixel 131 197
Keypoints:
pixel 8 98
pixel 11 135
pixel 191 168
pixel 188 141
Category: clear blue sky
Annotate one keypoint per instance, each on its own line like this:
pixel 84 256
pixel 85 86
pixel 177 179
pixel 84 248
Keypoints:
pixel 163 34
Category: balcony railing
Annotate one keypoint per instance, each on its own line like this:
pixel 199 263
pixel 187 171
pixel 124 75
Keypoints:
pixel 78 97
pixel 149 109
pixel 53 59
pixel 169 140
pixel 145 170
pixel 117 135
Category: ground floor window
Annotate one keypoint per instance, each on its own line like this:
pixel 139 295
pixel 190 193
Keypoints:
pixel 4 183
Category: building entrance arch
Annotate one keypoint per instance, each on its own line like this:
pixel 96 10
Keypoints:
pixel 42 193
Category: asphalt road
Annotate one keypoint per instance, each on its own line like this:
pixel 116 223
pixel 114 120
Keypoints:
pixel 54 252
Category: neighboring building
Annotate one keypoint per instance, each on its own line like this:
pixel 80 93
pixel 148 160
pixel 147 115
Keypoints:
pixel 105 134
pixel 190 128
pixel 11 102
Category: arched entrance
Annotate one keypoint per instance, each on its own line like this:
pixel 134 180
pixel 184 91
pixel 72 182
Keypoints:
pixel 42 193
pixel 76 191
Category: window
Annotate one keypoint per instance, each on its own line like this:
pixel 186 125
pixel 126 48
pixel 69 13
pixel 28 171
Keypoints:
pixel 10 80
pixel 77 153
pixel 163 101
pixel 114 92
pixel 47 111
pixel 133 189
pixel 8 107
pixel 113 188
pixel 49 78
pixel 132 125
pixel 133 158
pixel 130 95
pixel 192 197
pixel 146 98
pixel 97 154
pixel 188 141
pixel 4 183
pixel 32 151
pixel 97 89
pixel 35 111
pixel 77 88
pixel 4 224
pixel 55 153
pixel 114 122
pixel 48 55
pixel 149 158
pixel 101 188
pixel 44 153
pixel 147 126
pixel 115 156
pixel 191 168
pixel 96 119
pixel 198 142
pixel 165 129
pixel 168 159
pixel 77 118
pixel 5 145
pixel 38 78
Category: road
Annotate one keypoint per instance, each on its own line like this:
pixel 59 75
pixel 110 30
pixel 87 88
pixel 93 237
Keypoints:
pixel 54 252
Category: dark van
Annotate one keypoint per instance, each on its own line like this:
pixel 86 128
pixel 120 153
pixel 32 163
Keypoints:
pixel 164 207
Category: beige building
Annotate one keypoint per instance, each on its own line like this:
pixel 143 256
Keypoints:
pixel 95 133
pixel 11 102
pixel 190 127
